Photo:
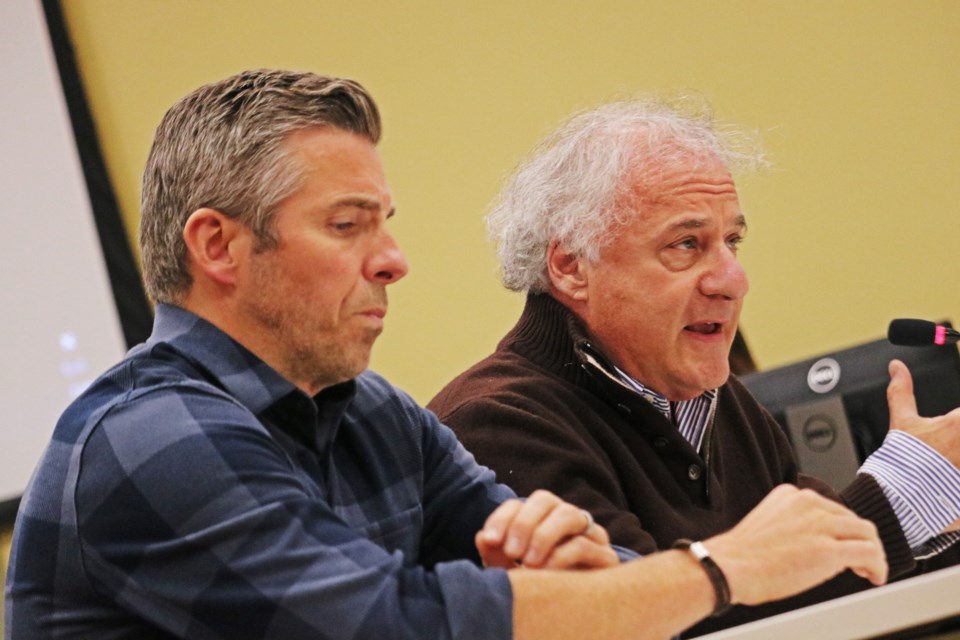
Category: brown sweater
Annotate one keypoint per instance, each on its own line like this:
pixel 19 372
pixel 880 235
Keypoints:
pixel 542 417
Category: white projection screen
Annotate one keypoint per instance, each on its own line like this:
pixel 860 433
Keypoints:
pixel 61 325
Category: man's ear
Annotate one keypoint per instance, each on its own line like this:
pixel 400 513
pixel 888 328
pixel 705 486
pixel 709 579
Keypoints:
pixel 214 242
pixel 568 272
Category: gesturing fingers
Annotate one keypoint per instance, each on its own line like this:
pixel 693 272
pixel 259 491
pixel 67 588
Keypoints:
pixel 900 398
pixel 942 433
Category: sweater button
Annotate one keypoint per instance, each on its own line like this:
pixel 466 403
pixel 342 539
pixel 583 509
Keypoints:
pixel 624 408
pixel 694 472
pixel 660 442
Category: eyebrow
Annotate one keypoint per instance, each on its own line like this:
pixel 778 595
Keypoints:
pixel 700 222
pixel 362 202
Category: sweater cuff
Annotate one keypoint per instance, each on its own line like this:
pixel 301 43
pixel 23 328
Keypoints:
pixel 923 487
pixel 865 498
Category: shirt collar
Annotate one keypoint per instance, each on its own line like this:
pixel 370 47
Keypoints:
pixel 229 365
pixel 225 361
pixel 691 417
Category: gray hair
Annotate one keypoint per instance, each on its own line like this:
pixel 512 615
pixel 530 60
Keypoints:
pixel 222 146
pixel 596 172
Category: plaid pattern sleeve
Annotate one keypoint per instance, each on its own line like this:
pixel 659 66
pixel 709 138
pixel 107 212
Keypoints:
pixel 193 493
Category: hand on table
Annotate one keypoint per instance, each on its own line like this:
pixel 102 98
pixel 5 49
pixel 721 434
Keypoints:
pixel 543 531
pixel 792 541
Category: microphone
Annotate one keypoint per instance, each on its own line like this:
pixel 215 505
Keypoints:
pixel 907 332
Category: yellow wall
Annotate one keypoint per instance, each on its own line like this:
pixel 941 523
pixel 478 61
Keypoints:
pixel 856 100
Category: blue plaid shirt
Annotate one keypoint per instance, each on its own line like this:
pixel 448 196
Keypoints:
pixel 192 492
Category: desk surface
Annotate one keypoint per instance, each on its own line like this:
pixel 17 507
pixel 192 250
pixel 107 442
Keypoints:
pixel 876 612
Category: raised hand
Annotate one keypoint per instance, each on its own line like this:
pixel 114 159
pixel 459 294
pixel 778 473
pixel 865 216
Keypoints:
pixel 942 433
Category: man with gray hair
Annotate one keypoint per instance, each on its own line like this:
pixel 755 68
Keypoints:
pixel 241 474
pixel 614 390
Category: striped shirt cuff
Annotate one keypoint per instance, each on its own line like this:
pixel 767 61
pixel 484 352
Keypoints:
pixel 923 488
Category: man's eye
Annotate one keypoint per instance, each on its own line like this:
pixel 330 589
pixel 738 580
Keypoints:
pixel 734 242
pixel 687 243
pixel 343 226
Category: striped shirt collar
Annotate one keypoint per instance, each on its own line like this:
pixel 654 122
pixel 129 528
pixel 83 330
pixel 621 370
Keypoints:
pixel 691 417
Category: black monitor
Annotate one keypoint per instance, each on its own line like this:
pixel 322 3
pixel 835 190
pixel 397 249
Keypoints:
pixel 833 407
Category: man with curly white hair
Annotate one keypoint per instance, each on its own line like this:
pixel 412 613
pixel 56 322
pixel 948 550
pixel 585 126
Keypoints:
pixel 614 390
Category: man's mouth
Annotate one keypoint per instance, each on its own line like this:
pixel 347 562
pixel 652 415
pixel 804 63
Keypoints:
pixel 705 328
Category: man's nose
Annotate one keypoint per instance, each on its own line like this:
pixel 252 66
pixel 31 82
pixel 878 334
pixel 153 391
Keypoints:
pixel 725 277
pixel 388 264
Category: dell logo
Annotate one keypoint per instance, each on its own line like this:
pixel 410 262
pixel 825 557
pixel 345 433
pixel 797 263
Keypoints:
pixel 819 434
pixel 823 375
